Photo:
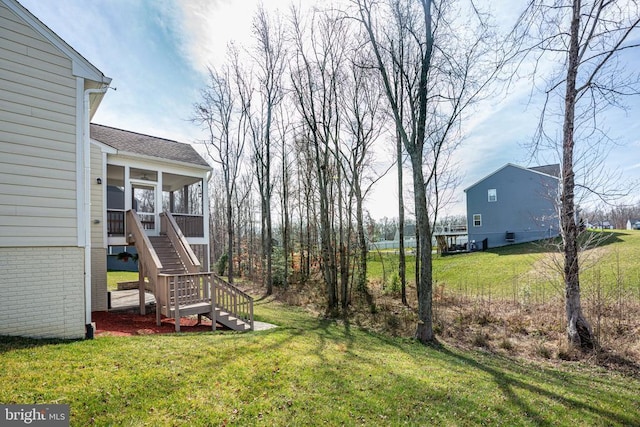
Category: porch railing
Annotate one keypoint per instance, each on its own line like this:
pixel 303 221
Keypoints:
pixel 191 225
pixel 115 222
pixel 176 294
pixel 233 300
pixel 149 264
pixel 183 290
pixel 169 227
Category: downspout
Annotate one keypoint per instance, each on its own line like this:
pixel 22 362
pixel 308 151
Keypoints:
pixel 86 159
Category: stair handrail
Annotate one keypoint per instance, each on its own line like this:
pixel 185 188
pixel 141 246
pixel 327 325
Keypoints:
pixel 188 257
pixel 146 254
pixel 226 298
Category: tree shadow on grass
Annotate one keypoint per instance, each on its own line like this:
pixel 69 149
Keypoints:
pixel 508 385
pixel 10 343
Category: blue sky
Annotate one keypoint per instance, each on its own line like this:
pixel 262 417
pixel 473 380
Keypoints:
pixel 157 51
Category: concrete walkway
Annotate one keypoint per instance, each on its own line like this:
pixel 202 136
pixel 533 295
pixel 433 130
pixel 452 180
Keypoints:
pixel 130 300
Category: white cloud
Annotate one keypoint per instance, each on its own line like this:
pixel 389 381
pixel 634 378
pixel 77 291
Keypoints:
pixel 208 26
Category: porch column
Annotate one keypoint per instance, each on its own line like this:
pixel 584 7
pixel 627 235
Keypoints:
pixel 159 204
pixel 205 223
pixel 128 205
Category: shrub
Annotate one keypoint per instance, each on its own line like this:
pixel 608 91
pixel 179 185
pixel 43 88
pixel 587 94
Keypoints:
pixel 480 339
pixel 221 264
pixel 542 350
pixel 506 344
pixel 277 266
pixel 394 285
pixel 393 322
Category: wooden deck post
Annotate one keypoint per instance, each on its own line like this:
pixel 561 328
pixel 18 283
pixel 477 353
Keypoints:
pixel 212 293
pixel 141 293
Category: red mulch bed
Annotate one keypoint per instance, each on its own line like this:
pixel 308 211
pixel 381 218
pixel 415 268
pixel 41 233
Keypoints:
pixel 127 324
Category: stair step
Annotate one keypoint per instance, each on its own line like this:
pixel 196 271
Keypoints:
pixel 230 321
pixel 170 260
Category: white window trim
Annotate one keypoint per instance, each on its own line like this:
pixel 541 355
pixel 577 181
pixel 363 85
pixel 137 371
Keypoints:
pixel 474 220
pixel 492 192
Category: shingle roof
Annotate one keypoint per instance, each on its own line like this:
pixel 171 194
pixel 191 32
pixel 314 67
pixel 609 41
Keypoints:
pixel 553 170
pixel 146 145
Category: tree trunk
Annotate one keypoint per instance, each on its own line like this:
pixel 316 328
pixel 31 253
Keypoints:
pixel 328 255
pixel 342 252
pixel 424 331
pixel 269 247
pixel 579 331
pixel 285 217
pixel 402 263
pixel 230 257
pixel 362 241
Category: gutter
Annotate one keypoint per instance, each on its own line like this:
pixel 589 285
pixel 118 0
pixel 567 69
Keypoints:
pixel 86 160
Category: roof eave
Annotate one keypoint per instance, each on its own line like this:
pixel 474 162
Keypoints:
pixel 515 166
pixel 104 147
pixel 161 160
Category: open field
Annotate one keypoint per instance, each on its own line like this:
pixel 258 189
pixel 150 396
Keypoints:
pixel 528 270
pixel 308 371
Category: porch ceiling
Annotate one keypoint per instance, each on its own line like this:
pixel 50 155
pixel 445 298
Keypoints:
pixel 170 181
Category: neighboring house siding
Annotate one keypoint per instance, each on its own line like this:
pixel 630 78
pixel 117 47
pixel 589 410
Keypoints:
pixel 43 302
pixel 513 200
pixel 37 139
pixel 98 244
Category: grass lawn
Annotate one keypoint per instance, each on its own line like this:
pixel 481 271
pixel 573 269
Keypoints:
pixel 113 277
pixel 509 271
pixel 309 371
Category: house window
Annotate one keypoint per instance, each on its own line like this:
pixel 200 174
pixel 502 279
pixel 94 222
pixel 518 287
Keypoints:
pixel 477 220
pixel 493 195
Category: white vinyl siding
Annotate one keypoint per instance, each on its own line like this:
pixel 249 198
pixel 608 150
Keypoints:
pixel 98 245
pixel 97 200
pixel 37 139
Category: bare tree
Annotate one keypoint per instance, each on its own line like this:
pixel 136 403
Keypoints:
pixel 286 164
pixel 316 76
pixel 270 61
pixel 363 123
pixel 399 88
pixel 217 219
pixel 215 113
pixel 244 223
pixel 444 66
pixel 307 187
pixel 589 39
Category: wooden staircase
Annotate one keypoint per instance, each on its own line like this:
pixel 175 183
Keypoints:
pixel 230 321
pixel 171 262
pixel 179 287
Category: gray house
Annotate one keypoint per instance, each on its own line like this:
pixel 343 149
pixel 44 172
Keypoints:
pixel 513 205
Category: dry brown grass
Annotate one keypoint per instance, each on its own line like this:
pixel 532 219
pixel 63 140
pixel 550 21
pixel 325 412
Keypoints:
pixel 516 328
